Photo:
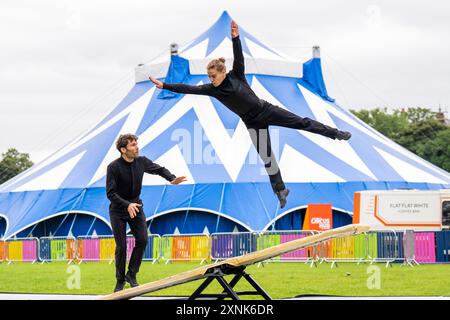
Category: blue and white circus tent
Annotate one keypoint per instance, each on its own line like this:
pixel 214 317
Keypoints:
pixel 197 136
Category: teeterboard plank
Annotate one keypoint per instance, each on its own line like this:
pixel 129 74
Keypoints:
pixel 244 260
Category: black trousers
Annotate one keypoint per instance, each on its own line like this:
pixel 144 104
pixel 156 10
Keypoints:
pixel 138 227
pixel 271 115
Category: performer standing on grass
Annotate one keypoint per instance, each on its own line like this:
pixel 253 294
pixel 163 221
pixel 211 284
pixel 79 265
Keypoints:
pixel 234 92
pixel 123 188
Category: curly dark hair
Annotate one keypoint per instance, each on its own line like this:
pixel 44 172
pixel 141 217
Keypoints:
pixel 123 140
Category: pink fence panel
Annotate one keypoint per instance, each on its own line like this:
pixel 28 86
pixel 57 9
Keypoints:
pixel 298 254
pixel 425 247
pixel 29 250
pixel 91 249
pixel 130 245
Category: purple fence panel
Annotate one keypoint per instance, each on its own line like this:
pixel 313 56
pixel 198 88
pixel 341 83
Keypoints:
pixel 222 246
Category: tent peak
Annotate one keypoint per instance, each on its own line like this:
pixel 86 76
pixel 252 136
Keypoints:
pixel 316 51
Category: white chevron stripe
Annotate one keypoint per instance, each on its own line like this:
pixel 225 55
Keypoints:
pixel 175 162
pixel 407 171
pixel 197 51
pixel 341 149
pixel 262 93
pixel 296 167
pixel 136 112
pixel 224 49
pixel 73 145
pixel 230 151
pixel 52 178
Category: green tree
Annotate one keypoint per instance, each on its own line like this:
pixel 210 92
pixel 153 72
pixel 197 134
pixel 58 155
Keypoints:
pixel 13 162
pixel 416 129
pixel 426 137
pixel 391 125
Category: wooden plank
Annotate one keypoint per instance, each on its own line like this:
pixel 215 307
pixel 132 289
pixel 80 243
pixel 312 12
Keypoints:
pixel 244 260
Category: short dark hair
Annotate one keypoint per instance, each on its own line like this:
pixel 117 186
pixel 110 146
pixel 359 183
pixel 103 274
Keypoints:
pixel 123 140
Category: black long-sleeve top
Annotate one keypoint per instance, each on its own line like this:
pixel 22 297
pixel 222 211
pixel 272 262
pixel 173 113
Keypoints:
pixel 124 181
pixel 234 91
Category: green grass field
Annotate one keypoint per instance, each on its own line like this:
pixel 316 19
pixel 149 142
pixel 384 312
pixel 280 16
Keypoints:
pixel 280 280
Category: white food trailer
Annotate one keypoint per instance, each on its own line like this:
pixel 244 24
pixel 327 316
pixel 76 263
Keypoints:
pixel 403 209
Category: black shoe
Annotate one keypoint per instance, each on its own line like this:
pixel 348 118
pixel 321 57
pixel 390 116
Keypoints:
pixel 131 279
pixel 282 195
pixel 119 286
pixel 343 135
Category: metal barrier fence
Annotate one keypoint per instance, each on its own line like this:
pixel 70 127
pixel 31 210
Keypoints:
pixel 185 247
pixel 102 248
pixel 271 238
pixel 389 247
pixel 88 248
pixel 443 246
pixel 57 249
pixel 21 250
pixel 408 247
pixel 359 248
pixel 369 247
pixel 2 251
pixel 153 249
pixel 226 245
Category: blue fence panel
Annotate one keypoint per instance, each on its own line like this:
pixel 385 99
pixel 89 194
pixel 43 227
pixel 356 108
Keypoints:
pixel 45 253
pixel 443 246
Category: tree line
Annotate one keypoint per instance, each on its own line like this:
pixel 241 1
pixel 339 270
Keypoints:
pixel 420 130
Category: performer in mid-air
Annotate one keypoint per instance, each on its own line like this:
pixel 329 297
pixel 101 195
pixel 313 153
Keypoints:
pixel 235 93
pixel 123 188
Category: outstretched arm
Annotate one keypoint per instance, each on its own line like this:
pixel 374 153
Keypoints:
pixel 238 62
pixel 154 168
pixel 204 89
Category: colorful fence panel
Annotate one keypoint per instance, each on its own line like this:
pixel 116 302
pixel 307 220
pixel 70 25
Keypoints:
pixel 409 248
pixel 22 250
pixel 425 247
pixel 229 245
pixel 57 249
pixel 365 247
pixel 343 248
pixel 153 249
pixel 272 238
pixel 359 248
pixel 443 246
pixel 375 246
pixel 389 247
pixel 88 249
pixel 298 255
pixel 186 247
pixel 2 251
pixel 102 248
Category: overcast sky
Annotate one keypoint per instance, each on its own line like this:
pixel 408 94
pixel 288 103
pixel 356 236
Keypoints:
pixel 64 63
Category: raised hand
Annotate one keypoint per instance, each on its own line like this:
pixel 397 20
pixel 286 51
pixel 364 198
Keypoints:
pixel 158 83
pixel 234 29
pixel 178 180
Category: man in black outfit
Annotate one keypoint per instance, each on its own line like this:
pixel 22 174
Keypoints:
pixel 123 188
pixel 235 93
